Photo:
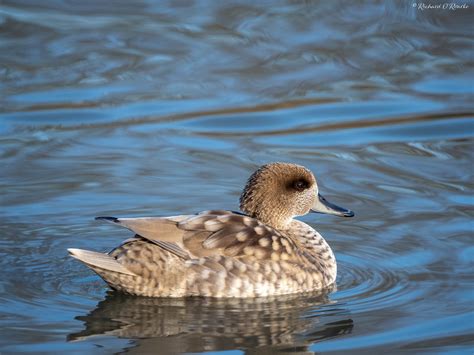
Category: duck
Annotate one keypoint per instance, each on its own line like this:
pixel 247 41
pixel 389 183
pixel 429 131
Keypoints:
pixel 258 252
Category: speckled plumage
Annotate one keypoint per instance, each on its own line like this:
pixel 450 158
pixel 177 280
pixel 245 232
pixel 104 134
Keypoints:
pixel 226 254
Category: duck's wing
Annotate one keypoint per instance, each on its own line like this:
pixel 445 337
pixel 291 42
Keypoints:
pixel 161 231
pixel 162 228
pixel 212 233
pixel 232 234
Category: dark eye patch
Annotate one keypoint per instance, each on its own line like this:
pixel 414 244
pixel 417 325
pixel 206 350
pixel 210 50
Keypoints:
pixel 300 184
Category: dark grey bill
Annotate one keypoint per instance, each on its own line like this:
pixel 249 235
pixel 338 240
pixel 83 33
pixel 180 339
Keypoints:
pixel 323 206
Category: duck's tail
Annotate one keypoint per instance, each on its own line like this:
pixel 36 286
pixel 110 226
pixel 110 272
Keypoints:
pixel 99 262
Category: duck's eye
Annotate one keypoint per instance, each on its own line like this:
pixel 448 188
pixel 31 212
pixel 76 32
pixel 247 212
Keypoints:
pixel 300 185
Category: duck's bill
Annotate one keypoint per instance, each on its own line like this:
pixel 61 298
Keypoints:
pixel 323 206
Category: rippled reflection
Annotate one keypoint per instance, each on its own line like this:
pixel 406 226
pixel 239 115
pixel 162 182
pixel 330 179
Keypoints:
pixel 204 324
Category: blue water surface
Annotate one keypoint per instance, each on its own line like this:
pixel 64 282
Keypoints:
pixel 151 108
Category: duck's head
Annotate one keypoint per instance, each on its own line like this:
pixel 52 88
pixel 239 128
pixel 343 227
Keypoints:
pixel 277 192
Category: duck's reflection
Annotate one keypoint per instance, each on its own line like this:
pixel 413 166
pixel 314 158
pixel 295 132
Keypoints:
pixel 171 326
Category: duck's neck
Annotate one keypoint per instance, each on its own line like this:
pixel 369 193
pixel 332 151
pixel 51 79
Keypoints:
pixel 273 218
pixel 308 236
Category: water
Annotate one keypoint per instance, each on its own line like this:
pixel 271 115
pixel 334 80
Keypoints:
pixel 151 108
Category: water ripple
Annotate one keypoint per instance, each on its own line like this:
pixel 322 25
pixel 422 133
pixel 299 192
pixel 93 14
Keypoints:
pixel 364 282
